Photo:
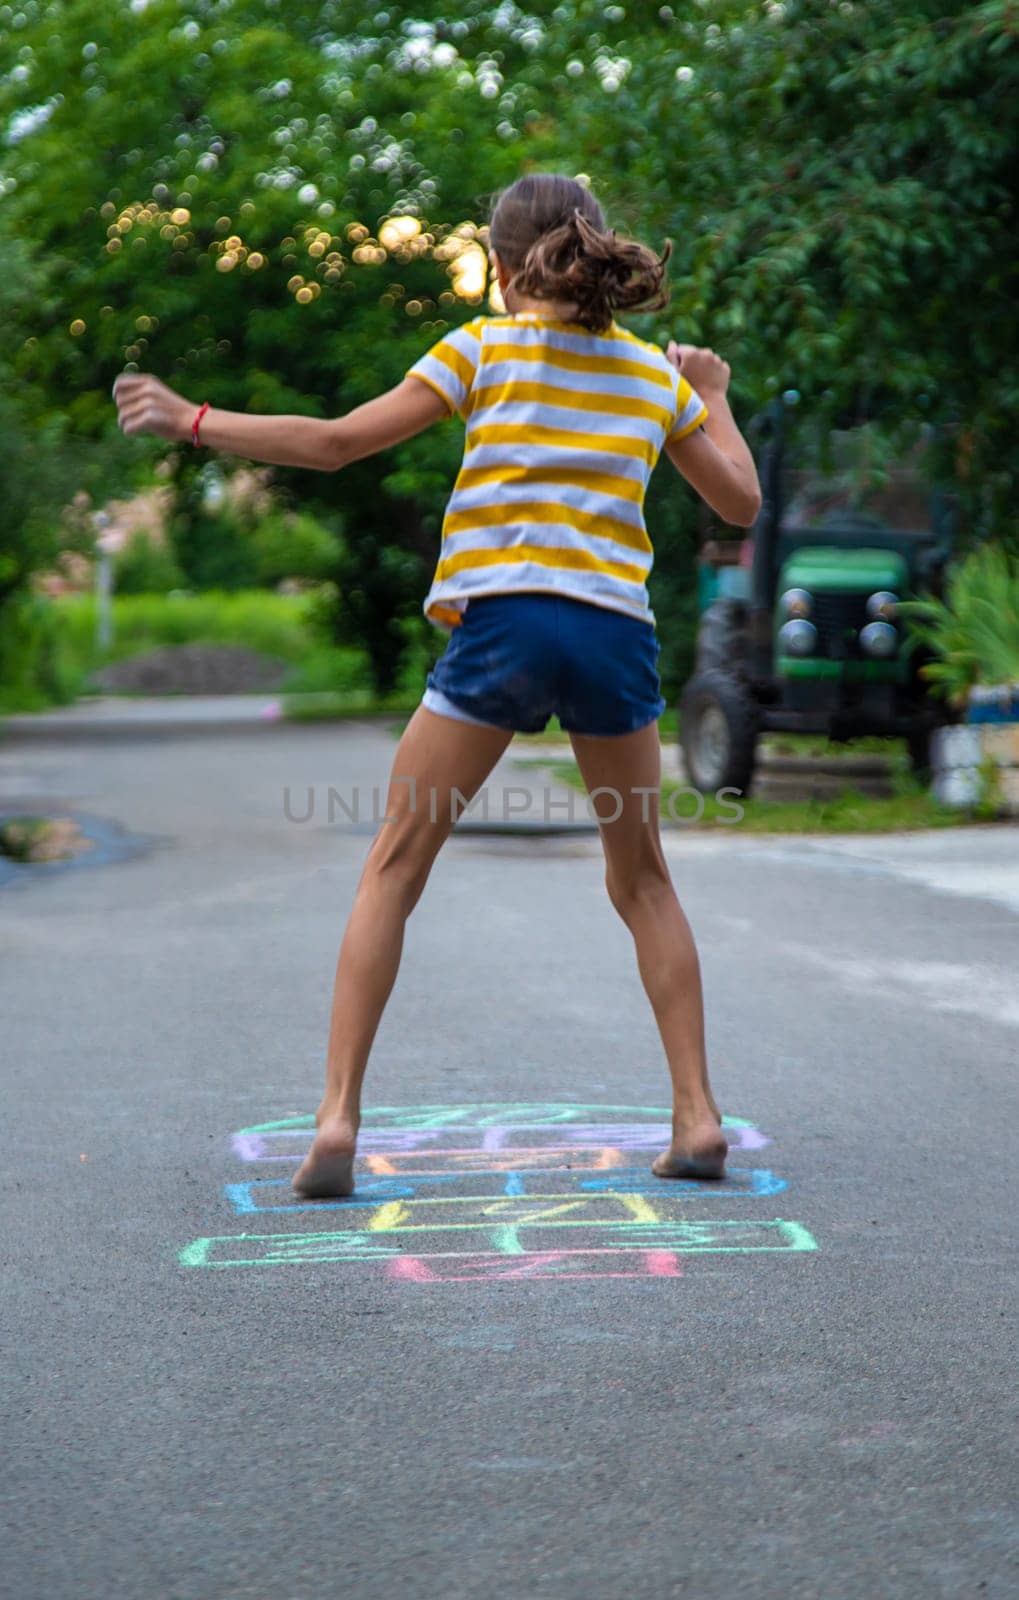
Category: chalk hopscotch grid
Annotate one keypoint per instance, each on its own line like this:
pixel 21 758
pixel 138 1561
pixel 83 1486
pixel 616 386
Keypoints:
pixel 639 1228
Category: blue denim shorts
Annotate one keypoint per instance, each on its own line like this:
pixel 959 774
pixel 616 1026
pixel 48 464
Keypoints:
pixel 517 659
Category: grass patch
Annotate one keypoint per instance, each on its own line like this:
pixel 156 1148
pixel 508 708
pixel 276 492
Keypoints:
pixel 909 808
pixel 818 745
pixel 776 744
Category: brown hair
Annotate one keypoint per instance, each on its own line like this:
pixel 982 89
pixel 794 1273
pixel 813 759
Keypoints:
pixel 550 233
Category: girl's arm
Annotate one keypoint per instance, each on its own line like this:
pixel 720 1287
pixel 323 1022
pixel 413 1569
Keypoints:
pixel 715 459
pixel 146 405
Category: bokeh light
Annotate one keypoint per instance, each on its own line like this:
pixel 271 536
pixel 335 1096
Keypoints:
pixel 460 249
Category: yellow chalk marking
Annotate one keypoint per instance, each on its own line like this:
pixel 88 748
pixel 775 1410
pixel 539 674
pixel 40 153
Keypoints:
pixel 640 1209
pixel 388 1216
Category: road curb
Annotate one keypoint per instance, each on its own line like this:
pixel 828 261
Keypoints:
pixel 45 726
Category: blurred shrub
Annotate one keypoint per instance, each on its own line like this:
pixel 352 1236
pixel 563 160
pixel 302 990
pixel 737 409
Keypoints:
pixel 214 549
pixel 50 653
pixel 347 668
pixel 329 668
pixel 230 546
pixel 293 545
pixel 226 551
pixel 378 597
pixel 37 662
pixel 973 632
pixel 146 567
pixel 276 625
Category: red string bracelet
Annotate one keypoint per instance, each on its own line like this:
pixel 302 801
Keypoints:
pixel 197 424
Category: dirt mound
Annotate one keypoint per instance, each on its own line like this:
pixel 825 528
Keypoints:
pixel 194 669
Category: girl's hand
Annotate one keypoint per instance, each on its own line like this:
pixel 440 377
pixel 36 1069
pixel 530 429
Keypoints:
pixel 703 370
pixel 146 405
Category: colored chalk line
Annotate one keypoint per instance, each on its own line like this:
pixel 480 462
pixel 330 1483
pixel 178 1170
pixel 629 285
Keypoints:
pixel 537 1172
pixel 247 1199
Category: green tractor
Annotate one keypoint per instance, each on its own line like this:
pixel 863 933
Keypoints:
pixel 799 630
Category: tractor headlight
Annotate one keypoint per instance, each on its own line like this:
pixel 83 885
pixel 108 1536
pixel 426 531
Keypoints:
pixel 879 639
pixel 797 603
pixel 882 606
pixel 798 638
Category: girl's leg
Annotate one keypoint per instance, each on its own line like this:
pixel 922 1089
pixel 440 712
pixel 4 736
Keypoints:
pixel 440 765
pixel 641 890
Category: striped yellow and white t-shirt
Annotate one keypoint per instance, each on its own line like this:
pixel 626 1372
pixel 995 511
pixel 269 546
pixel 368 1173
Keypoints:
pixel 563 430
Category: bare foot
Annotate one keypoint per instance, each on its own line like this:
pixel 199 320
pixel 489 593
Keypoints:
pixel 327 1171
pixel 697 1152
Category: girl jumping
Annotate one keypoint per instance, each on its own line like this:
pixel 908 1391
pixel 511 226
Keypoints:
pixel 541 585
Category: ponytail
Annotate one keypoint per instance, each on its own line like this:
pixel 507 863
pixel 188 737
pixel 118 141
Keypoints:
pixel 595 270
pixel 550 233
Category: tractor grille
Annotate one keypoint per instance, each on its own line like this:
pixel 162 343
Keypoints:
pixel 838 619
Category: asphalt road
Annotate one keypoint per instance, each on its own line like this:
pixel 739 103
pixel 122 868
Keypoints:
pixel 517 1365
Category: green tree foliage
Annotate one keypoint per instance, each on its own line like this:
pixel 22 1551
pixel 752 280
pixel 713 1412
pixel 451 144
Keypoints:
pixel 31 499
pixel 838 179
pixel 209 185
pixel 33 523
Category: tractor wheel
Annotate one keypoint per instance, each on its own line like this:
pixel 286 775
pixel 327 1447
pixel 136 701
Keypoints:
pixel 718 732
